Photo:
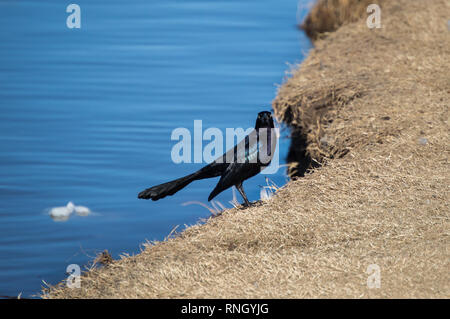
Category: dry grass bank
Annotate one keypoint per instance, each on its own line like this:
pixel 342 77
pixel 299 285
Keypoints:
pixel 328 15
pixel 372 105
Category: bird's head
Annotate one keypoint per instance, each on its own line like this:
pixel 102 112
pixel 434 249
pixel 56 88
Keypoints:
pixel 264 120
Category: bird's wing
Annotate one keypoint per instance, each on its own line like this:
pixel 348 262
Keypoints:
pixel 231 173
pixel 240 151
pixel 234 174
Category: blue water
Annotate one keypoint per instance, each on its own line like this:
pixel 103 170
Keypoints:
pixel 86 115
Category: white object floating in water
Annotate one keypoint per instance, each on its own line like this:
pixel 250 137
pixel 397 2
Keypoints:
pixel 82 210
pixel 63 213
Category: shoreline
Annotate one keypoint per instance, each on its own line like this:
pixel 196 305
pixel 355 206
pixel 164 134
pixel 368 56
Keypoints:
pixel 370 109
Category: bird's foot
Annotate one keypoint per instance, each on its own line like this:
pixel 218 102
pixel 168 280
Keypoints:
pixel 250 204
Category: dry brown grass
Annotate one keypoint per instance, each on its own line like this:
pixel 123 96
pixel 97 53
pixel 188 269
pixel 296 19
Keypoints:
pixel 351 81
pixel 379 97
pixel 328 15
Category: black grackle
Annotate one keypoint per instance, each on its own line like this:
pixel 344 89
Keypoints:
pixel 245 160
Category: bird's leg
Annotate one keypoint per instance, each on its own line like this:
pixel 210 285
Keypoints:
pixel 241 191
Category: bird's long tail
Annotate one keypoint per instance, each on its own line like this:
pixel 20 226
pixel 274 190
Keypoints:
pixel 170 188
pixel 166 189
